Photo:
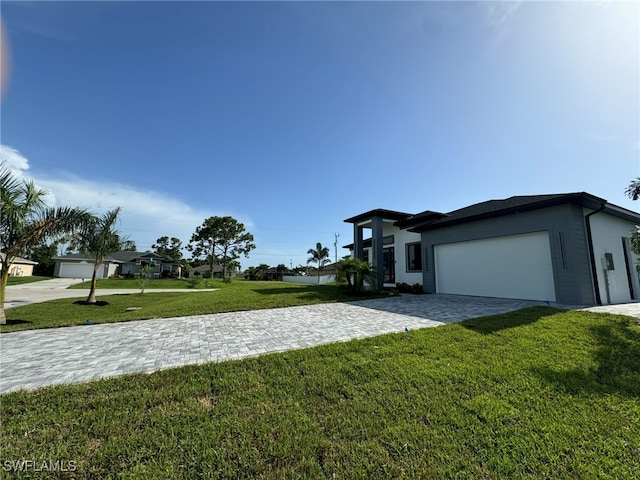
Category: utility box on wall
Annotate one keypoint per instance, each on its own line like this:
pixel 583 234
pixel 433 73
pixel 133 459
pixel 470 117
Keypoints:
pixel 607 262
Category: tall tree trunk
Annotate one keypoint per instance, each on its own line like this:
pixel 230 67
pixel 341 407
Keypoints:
pixel 3 289
pixel 318 273
pixel 92 292
pixel 224 263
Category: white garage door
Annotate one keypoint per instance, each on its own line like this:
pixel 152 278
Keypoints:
pixel 77 270
pixel 514 266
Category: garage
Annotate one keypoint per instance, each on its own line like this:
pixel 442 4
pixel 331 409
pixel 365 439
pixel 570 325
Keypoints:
pixel 77 270
pixel 513 266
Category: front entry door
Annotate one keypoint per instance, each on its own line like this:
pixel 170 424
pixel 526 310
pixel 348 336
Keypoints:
pixel 389 262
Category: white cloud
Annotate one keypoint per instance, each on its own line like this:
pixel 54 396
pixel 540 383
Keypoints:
pixel 146 215
pixel 14 160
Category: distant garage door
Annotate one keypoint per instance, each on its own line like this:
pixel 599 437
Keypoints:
pixel 77 270
pixel 514 266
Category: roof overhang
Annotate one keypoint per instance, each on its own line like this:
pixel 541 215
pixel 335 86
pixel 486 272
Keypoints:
pixel 378 212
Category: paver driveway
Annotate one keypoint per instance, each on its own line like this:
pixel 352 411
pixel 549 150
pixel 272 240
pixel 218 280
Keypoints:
pixel 35 358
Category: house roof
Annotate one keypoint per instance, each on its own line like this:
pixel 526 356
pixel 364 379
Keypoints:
pixel 379 212
pixel 20 260
pixel 517 204
pixel 365 244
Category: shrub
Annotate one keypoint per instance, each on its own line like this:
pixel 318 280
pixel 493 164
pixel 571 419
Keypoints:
pixel 403 287
pixel 355 273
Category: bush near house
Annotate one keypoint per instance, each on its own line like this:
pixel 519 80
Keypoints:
pixel 403 287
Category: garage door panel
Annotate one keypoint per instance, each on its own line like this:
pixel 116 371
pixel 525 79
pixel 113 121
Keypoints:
pixel 76 270
pixel 515 266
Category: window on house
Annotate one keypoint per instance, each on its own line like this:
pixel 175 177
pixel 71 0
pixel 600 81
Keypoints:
pixel 388 240
pixel 414 257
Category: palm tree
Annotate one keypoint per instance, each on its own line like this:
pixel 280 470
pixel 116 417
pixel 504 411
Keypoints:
pixel 25 221
pixel 356 272
pixel 99 239
pixel 319 255
pixel 633 190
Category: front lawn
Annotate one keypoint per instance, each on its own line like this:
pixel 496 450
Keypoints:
pixel 534 394
pixel 22 280
pixel 235 296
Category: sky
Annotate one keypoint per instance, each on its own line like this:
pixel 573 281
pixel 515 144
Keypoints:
pixel 293 116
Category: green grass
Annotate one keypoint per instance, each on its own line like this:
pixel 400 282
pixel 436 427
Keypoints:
pixel 235 296
pixel 531 394
pixel 134 283
pixel 23 280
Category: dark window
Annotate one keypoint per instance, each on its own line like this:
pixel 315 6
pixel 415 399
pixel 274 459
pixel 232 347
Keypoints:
pixel 414 257
pixel 388 240
pixel 389 264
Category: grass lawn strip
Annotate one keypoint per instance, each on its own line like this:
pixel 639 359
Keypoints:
pixel 536 393
pixel 231 297
pixel 22 280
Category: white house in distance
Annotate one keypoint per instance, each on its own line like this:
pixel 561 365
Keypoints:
pixel 20 267
pixel 123 263
pixel 567 248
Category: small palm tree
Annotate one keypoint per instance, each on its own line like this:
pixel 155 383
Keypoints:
pixel 356 272
pixel 319 255
pixel 633 190
pixel 99 238
pixel 25 221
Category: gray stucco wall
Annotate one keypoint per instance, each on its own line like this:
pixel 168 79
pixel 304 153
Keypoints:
pixel 568 242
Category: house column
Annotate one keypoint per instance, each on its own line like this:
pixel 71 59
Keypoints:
pixel 358 242
pixel 377 249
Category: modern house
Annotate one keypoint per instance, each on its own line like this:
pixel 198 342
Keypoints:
pixel 20 267
pixel 125 263
pixel 567 248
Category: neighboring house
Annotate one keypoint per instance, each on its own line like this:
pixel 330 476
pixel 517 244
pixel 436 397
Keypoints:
pixel 205 269
pixel 567 248
pixel 80 265
pixel 20 267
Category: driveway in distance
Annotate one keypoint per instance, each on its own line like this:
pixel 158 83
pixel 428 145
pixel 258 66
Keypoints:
pixel 36 358
pixel 36 292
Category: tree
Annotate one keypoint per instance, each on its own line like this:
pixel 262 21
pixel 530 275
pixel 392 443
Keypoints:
pixel 221 240
pixel 171 249
pixel 281 270
pixel 356 272
pixel 633 190
pixel 319 255
pixel 43 253
pixel 25 221
pixel 128 246
pixel 99 239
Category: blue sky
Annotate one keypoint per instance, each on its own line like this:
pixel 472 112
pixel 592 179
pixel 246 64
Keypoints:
pixel 292 116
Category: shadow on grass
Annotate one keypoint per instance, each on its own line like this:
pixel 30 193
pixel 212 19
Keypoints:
pixel 276 291
pixel 316 292
pixel 519 318
pixel 16 321
pixel 99 303
pixel 618 363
